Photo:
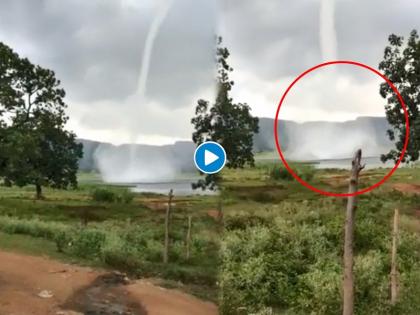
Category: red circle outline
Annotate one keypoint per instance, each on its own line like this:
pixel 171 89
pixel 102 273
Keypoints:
pixel 407 129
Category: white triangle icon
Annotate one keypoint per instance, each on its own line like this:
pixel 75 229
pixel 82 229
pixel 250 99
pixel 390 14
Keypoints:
pixel 209 157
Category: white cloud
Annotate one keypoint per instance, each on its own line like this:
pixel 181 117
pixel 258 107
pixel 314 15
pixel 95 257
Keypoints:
pixel 95 47
pixel 324 94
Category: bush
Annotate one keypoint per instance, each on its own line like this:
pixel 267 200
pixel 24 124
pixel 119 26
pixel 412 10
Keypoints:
pixel 103 195
pixel 243 221
pixel 264 197
pixel 62 240
pixel 88 243
pixel 132 248
pixel 32 227
pixel 108 195
pixel 293 263
pixel 304 171
pixel 280 172
pixel 125 196
pixel 117 255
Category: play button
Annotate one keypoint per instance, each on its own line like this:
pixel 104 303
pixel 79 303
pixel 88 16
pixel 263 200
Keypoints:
pixel 210 157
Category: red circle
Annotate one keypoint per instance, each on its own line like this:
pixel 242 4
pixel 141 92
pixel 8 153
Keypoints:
pixel 407 129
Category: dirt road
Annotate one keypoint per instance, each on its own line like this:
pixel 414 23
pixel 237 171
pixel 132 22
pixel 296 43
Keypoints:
pixel 39 286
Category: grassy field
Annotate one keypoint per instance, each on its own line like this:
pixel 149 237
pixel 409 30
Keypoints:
pixel 281 251
pixel 125 234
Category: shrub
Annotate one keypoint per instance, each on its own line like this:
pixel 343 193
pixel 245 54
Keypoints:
pixel 108 195
pixel 264 197
pixel 103 195
pixel 319 289
pixel 62 240
pixel 32 227
pixel 304 171
pixel 243 221
pixel 125 196
pixel 294 263
pixel 132 248
pixel 88 243
pixel 280 172
pixel 116 254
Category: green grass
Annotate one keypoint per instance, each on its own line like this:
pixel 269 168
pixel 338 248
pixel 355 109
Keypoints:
pixel 282 247
pixel 25 244
pixel 133 232
pixel 119 235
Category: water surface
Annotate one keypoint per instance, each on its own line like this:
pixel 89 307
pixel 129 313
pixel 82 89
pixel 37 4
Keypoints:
pixel 181 187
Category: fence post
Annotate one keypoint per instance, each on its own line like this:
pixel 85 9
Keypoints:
pixel 348 281
pixel 167 223
pixel 394 267
pixel 188 239
pixel 220 210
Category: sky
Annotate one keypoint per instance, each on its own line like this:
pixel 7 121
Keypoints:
pixel 97 49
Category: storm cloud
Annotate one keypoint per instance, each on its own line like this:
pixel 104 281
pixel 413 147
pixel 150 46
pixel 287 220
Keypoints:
pixel 96 49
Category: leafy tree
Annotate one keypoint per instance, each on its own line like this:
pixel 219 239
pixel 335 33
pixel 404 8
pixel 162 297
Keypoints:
pixel 225 122
pixel 401 64
pixel 36 149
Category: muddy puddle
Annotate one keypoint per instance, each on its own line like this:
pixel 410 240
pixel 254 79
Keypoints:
pixel 105 296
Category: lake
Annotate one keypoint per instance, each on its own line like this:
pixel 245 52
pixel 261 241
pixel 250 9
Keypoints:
pixel 181 187
pixel 344 163
pixel 371 162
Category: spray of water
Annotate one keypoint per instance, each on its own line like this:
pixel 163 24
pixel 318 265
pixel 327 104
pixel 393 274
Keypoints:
pixel 327 33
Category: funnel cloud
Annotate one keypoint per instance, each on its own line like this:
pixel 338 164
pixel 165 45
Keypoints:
pixel 327 32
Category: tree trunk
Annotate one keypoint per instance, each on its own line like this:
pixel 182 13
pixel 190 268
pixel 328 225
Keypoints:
pixel 394 268
pixel 38 191
pixel 167 219
pixel 188 239
pixel 348 282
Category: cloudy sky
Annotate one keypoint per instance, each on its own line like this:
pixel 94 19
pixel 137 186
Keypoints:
pixel 133 70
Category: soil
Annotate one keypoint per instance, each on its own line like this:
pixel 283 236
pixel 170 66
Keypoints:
pixel 215 214
pixel 407 188
pixel 340 181
pixel 41 286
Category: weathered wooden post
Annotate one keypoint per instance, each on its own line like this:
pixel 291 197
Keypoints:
pixel 394 267
pixel 167 223
pixel 220 210
pixel 188 238
pixel 85 217
pixel 348 281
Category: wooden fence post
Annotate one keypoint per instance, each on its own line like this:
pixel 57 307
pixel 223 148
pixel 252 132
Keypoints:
pixel 394 267
pixel 188 239
pixel 220 210
pixel 167 222
pixel 348 281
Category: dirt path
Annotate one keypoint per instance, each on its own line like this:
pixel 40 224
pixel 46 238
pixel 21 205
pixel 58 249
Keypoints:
pixel 40 286
pixel 407 188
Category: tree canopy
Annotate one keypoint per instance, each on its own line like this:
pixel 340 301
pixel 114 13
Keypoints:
pixel 35 147
pixel 401 64
pixel 228 123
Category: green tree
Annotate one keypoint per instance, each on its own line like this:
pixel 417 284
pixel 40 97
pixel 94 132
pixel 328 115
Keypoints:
pixel 225 122
pixel 36 149
pixel 401 64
